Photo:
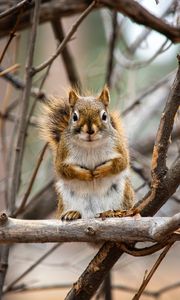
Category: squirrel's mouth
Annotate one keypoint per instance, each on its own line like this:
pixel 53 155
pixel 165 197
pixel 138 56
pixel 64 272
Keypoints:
pixel 89 137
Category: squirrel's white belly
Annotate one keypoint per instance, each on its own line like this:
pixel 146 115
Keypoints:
pixel 91 198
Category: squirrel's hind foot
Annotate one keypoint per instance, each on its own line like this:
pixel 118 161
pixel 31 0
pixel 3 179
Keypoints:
pixel 116 214
pixel 71 215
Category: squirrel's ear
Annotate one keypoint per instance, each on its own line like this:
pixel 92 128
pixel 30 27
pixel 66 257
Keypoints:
pixel 72 98
pixel 105 96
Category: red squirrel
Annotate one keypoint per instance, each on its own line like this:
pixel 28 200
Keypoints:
pixel 91 156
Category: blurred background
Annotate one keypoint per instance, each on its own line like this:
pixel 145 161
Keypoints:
pixel 144 67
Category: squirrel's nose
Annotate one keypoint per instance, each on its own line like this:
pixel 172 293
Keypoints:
pixel 90 131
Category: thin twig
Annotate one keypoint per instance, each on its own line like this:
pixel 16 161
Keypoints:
pixel 4 251
pixel 107 287
pixel 14 8
pixel 25 101
pixel 112 44
pixel 29 269
pixel 140 15
pixel 146 92
pixel 65 40
pixel 151 273
pixel 133 65
pixel 42 204
pixel 147 250
pixel 20 84
pixel 10 69
pixel 66 55
pixel 143 36
pixel 20 209
pixel 12 35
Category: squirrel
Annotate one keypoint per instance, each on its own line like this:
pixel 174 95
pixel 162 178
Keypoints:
pixel 91 156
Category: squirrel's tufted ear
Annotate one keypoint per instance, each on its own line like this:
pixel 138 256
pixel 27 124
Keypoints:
pixel 105 96
pixel 72 98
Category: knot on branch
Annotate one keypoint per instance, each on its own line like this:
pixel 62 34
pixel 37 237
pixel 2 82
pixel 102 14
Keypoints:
pixel 90 231
pixel 3 218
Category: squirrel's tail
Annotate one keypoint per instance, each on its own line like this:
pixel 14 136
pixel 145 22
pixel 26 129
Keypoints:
pixel 54 119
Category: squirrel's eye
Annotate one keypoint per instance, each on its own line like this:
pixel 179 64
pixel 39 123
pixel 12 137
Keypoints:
pixel 104 116
pixel 75 116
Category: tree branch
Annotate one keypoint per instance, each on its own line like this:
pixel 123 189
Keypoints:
pixel 93 230
pixel 152 271
pixel 14 8
pixel 66 54
pixel 4 250
pixel 10 286
pixel 42 204
pixel 24 111
pixel 65 40
pixel 164 131
pixel 140 15
pixel 129 8
pixel 21 208
pixel 112 44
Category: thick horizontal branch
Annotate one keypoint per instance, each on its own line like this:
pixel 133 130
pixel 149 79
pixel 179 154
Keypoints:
pixel 62 8
pixel 140 15
pixel 93 230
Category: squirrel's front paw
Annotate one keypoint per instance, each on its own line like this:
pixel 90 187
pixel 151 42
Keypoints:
pixel 87 175
pixel 82 174
pixel 71 215
pixel 103 170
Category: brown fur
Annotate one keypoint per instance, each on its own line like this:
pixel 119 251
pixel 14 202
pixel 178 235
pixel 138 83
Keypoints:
pixel 55 129
pixel 128 195
pixel 54 119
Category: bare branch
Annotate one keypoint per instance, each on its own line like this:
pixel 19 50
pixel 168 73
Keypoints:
pixel 146 147
pixel 10 286
pixel 25 101
pixel 20 142
pixel 20 209
pixel 157 198
pixel 15 8
pixel 146 92
pixel 66 54
pixel 130 8
pixel 112 44
pixel 147 250
pixel 159 169
pixel 42 204
pixel 19 84
pixel 140 15
pixel 164 132
pixel 151 273
pixel 65 40
pixel 93 230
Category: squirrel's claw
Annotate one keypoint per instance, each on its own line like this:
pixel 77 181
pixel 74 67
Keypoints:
pixel 117 214
pixel 103 170
pixel 71 215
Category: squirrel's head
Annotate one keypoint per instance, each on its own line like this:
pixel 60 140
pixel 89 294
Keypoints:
pixel 89 117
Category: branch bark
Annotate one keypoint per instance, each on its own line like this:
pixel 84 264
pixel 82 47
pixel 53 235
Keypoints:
pixel 24 110
pixel 140 15
pixel 93 230
pixel 62 45
pixel 129 8
pixel 67 57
